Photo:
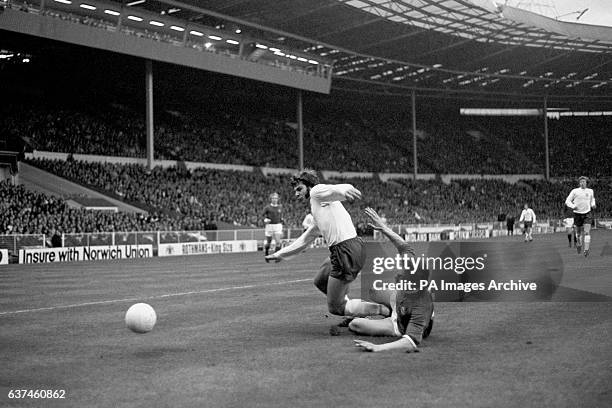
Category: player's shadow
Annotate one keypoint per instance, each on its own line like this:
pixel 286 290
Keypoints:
pixel 504 263
pixel 157 352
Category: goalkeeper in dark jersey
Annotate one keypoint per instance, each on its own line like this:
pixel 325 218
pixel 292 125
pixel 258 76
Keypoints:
pixel 412 313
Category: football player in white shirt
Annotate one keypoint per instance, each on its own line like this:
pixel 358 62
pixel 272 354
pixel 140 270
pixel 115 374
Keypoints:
pixel 308 221
pixel 528 218
pixel 582 200
pixel 568 223
pixel 347 250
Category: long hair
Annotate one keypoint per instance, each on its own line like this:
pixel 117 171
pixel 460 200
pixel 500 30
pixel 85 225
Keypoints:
pixel 308 177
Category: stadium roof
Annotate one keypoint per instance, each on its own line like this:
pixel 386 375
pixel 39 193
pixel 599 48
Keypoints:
pixel 475 51
pixel 469 49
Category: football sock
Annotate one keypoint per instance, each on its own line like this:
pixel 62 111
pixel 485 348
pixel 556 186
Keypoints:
pixel 267 246
pixel 587 242
pixel 361 308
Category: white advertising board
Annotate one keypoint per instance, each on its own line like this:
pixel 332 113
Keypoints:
pixel 207 247
pixel 92 253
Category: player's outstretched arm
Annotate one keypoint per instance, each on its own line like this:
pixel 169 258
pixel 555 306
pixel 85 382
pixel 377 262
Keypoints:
pixel 378 224
pixel 297 246
pixel 335 192
pixel 405 344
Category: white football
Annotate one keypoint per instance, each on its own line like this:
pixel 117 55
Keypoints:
pixel 140 318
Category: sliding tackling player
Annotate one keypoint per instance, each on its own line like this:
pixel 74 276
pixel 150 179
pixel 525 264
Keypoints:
pixel 347 250
pixel 411 311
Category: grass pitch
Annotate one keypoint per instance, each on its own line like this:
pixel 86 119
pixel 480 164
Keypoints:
pixel 233 331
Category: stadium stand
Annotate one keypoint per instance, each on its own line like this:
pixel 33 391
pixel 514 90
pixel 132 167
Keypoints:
pixel 360 141
pixel 192 200
pixel 378 142
pixel 26 212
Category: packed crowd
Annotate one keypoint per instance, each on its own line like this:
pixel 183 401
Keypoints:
pixel 26 212
pixel 577 145
pixel 181 199
pixel 194 198
pixel 370 142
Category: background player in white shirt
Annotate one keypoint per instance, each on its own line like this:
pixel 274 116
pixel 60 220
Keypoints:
pixel 568 223
pixel 528 218
pixel 582 200
pixel 347 250
pixel 308 221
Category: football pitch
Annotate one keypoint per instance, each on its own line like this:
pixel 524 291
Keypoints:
pixel 234 331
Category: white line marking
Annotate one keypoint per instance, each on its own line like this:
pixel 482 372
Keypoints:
pixel 169 295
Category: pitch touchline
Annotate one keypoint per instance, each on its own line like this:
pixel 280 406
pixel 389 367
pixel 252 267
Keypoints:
pixel 195 292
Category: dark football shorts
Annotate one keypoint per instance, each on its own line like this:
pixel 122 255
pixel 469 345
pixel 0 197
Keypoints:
pixel 414 311
pixel 581 219
pixel 347 259
pixel 528 224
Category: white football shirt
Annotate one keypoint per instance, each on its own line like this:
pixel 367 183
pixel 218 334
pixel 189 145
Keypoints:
pixel 308 221
pixel 581 200
pixel 330 216
pixel 527 215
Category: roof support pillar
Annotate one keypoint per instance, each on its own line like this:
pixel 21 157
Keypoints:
pixel 546 151
pixel 414 136
pixel 149 109
pixel 300 130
